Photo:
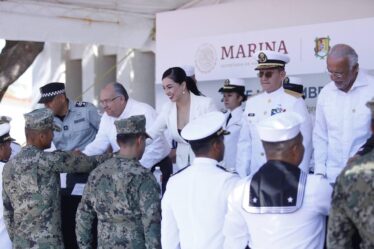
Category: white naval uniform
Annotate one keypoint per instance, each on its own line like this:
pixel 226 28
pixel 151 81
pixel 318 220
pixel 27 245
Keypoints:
pixel 303 229
pixel 250 152
pixel 167 119
pixel 231 141
pixel 157 149
pixel 194 205
pixel 5 242
pixel 342 125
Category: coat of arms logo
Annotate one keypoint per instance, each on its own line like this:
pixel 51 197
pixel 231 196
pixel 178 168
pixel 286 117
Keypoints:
pixel 322 47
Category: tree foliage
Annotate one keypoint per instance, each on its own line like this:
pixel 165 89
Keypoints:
pixel 15 58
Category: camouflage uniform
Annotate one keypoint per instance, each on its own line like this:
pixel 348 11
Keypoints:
pixel 31 189
pixel 353 205
pixel 125 198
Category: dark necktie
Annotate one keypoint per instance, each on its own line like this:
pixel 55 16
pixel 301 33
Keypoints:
pixel 228 119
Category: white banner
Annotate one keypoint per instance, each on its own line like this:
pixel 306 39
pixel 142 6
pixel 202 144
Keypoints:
pixel 231 55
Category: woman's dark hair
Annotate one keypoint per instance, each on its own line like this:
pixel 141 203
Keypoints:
pixel 178 75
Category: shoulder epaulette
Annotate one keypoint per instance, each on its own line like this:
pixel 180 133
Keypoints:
pixel 295 94
pixel 181 170
pixel 227 170
pixel 80 104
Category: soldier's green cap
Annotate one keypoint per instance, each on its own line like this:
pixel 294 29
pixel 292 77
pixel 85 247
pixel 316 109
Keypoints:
pixel 40 119
pixel 132 125
pixel 370 104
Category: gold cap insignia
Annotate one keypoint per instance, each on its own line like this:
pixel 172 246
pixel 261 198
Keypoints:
pixel 262 57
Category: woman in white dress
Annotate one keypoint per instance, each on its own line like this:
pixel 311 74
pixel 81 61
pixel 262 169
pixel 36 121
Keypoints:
pixel 186 103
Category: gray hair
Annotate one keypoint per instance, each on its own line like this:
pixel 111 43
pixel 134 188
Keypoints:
pixel 344 51
pixel 120 90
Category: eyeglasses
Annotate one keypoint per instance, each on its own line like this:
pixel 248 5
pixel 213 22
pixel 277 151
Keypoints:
pixel 105 102
pixel 336 75
pixel 267 74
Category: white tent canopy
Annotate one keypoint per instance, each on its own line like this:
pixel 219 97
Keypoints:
pixel 120 23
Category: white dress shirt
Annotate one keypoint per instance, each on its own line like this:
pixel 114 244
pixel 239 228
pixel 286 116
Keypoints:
pixel 5 242
pixel 194 206
pixel 231 141
pixel 303 229
pixel 250 151
pixel 342 125
pixel 167 119
pixel 154 152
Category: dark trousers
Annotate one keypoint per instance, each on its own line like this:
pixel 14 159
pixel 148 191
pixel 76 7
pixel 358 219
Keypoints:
pixel 166 167
pixel 69 206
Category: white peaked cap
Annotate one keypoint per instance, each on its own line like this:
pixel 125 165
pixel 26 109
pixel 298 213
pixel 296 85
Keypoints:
pixel 190 70
pixel 236 81
pixel 4 129
pixel 204 126
pixel 280 127
pixel 270 59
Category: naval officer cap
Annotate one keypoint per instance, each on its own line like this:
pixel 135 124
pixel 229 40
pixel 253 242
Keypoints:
pixel 270 59
pixel 4 129
pixel 280 127
pixel 132 125
pixel 205 126
pixel 234 85
pixel 40 119
pixel 49 91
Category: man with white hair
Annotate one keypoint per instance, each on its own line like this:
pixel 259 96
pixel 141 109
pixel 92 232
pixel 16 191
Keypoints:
pixel 342 120
pixel 280 206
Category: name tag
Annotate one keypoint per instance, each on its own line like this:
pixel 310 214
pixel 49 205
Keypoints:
pixel 79 120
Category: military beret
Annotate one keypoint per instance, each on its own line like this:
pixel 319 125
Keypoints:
pixel 270 59
pixel 40 119
pixel 132 125
pixel 204 126
pixel 49 91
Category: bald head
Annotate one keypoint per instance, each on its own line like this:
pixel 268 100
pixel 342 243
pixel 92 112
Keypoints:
pixel 113 98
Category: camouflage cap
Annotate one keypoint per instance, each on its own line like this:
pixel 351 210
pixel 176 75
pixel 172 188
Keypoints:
pixel 132 125
pixel 370 104
pixel 40 119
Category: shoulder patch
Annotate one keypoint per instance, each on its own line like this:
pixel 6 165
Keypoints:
pixel 181 170
pixel 292 93
pixel 232 171
pixel 80 104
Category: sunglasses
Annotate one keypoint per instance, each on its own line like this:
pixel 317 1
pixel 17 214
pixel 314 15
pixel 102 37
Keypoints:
pixel 267 74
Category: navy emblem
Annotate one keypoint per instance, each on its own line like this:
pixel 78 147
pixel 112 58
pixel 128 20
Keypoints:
pixel 66 127
pixel 262 57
